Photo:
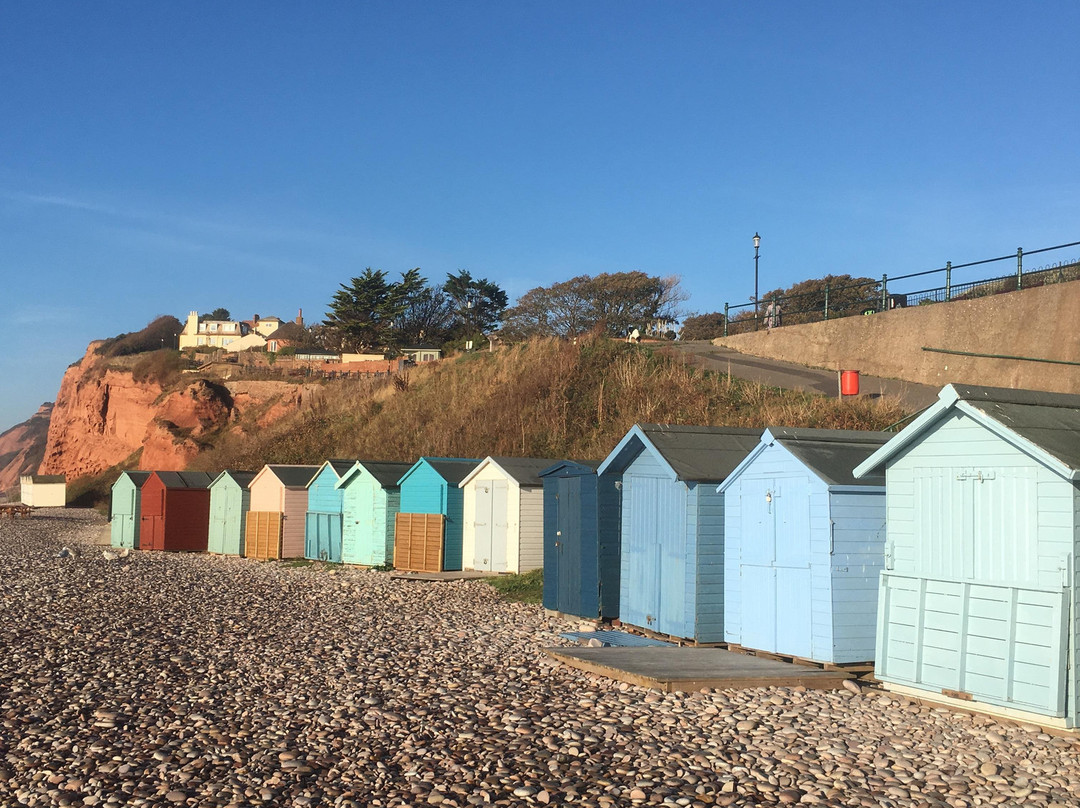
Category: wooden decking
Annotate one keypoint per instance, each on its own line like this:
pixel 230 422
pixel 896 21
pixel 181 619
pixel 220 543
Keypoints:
pixel 688 669
pixel 445 575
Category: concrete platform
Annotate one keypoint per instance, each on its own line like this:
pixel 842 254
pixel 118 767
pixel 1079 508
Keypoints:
pixel 455 575
pixel 687 669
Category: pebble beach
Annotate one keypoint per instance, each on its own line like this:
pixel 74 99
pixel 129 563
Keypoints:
pixel 195 680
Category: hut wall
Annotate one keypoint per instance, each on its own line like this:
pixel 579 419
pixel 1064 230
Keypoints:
pixel 528 553
pixel 858 542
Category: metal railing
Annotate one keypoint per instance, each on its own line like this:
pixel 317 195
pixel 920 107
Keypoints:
pixel 869 297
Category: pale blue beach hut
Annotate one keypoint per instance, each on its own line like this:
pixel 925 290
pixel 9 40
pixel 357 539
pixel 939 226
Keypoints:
pixel 370 500
pixel 977 600
pixel 125 512
pixel 672 532
pixel 322 524
pixel 804 545
pixel 230 500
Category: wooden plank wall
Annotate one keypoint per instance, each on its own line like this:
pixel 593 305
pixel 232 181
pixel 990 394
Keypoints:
pixel 262 537
pixel 418 542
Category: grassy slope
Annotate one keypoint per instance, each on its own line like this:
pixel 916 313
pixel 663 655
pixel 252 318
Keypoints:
pixel 547 398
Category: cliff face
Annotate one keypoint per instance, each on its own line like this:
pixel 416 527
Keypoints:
pixel 22 447
pixel 102 416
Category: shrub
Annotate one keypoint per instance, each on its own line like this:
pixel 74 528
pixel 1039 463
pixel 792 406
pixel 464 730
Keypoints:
pixel 160 333
pixel 160 367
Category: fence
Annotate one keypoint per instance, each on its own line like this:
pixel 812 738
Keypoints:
pixel 830 302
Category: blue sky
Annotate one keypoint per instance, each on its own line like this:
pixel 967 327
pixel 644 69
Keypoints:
pixel 162 157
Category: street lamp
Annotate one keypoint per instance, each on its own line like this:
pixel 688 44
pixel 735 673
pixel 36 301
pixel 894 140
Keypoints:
pixel 757 243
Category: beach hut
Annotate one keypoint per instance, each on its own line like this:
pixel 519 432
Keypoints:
pixel 581 540
pixel 125 513
pixel 275 523
pixel 672 531
pixel 504 515
pixel 322 526
pixel 978 595
pixel 175 511
pixel 428 528
pixel 229 504
pixel 804 543
pixel 369 505
pixel 43 490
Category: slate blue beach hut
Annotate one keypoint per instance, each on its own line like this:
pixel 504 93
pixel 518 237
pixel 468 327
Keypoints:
pixel 124 508
pixel 322 525
pixel 430 487
pixel 581 540
pixel 804 544
pixel 977 600
pixel 370 502
pixel 230 501
pixel 672 525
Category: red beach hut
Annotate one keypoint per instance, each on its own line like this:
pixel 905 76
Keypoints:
pixel 175 511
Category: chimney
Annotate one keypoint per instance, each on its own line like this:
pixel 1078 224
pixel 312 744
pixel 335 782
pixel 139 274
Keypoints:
pixel 300 317
pixel 255 320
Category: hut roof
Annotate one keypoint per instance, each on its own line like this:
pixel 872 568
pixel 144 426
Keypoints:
pixel 293 476
pixel 691 453
pixel 241 478
pixel 136 477
pixel 184 479
pixel 1043 425
pixel 451 469
pixel 385 473
pixel 832 454
pixel 522 470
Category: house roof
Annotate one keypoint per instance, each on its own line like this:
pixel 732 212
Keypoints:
pixel 385 473
pixel 691 453
pixel 1043 425
pixel 241 478
pixel 291 476
pixel 522 470
pixel 184 479
pixel 451 469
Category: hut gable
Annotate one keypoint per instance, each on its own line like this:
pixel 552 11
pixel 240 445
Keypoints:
pixel 323 521
pixel 230 501
pixel 978 591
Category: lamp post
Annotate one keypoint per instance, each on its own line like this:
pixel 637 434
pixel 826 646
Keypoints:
pixel 757 243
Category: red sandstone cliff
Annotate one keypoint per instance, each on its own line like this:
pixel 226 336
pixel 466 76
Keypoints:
pixel 102 416
pixel 22 447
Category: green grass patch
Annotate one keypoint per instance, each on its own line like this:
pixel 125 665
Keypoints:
pixel 525 588
pixel 300 562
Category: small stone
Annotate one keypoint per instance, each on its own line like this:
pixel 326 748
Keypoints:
pixel 852 686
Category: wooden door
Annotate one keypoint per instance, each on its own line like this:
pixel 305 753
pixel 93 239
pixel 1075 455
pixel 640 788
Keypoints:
pixel 262 536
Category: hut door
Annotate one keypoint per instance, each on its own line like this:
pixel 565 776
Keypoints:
pixel 127 523
pixel 775 566
pixel 491 526
pixel 567 543
pixel 655 543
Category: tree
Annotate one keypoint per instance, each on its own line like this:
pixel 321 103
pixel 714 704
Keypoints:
pixel 363 312
pixel 616 302
pixel 427 317
pixel 703 326
pixel 804 302
pixel 478 303
pixel 217 314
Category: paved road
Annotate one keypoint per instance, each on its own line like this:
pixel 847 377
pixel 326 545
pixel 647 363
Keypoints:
pixel 790 376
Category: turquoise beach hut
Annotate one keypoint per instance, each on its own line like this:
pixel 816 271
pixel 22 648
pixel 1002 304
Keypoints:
pixel 370 502
pixel 125 511
pixel 672 535
pixel 803 545
pixel 322 526
pixel 230 501
pixel 977 602
pixel 430 489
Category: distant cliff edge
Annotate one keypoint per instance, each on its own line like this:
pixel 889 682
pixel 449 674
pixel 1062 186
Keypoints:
pixel 22 447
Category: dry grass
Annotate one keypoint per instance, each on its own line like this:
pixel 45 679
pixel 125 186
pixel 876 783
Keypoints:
pixel 545 398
